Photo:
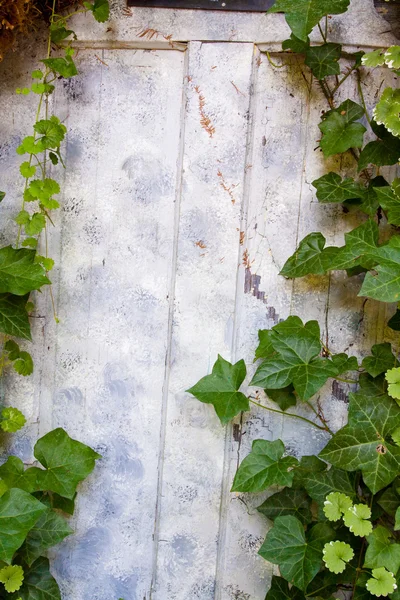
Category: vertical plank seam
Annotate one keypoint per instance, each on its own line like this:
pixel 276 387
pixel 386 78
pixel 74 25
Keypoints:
pixel 167 371
pixel 221 540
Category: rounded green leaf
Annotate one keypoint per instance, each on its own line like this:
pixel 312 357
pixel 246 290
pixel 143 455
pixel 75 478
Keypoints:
pixel 336 505
pixel 336 555
pixel 387 110
pixel 392 57
pixel 372 59
pixel 393 379
pixel 12 577
pixel 12 420
pixel 381 583
pixel 356 518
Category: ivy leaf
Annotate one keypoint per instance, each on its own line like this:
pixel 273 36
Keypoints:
pixel 319 485
pixel 27 170
pixel 383 283
pixel 265 348
pixel 373 59
pixel 364 443
pixel 299 557
pixel 279 590
pixel 390 202
pixel 389 500
pixel 339 129
pixel 385 151
pixel 19 274
pixel 397 519
pixel 372 386
pixel 295 45
pixel 310 257
pixel 332 188
pixel 12 420
pixel 381 551
pixel 381 583
pixel 12 577
pixel 336 505
pixel 221 389
pixel 263 467
pixel 14 320
pixel 12 349
pixel 61 66
pixel 387 111
pixel 323 60
pixel 100 9
pixel 358 250
pixel 303 15
pixel 39 584
pixel 12 472
pixel 344 363
pixel 52 131
pixel 49 530
pixel 284 398
pixel 356 518
pixel 67 462
pixel 336 555
pixel 288 502
pixel 59 32
pixel 308 465
pixel 381 360
pixel 298 346
pixel 393 379
pixel 19 511
pixel 392 57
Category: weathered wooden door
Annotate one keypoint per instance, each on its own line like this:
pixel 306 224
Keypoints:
pixel 189 160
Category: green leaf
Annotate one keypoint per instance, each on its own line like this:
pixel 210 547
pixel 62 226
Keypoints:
pixel 27 170
pixel 384 282
pixel 52 131
pixel 385 151
pixel 39 584
pixel 24 364
pixel 46 262
pixel 356 518
pixel 42 88
pixel 332 188
pixel 221 389
pixel 373 59
pixel 397 519
pixel 61 66
pixel 37 74
pixel 299 556
pixel 303 15
pixel 67 462
pixel 323 60
pixel 344 363
pixel 336 555
pixel 308 465
pixel 265 348
pixel 381 583
pixel 19 511
pixel 389 500
pixel 296 45
pixel 365 442
pixel 310 257
pixel 30 146
pixel 298 346
pixel 54 158
pixel 358 250
pixel 12 349
pixel 284 398
pixel 381 360
pixel 49 530
pixel 12 472
pixel 382 551
pixel 2 196
pixel 19 274
pixel 393 379
pixel 263 467
pixel 279 590
pixel 288 502
pixel 59 32
pixel 100 9
pixel 12 577
pixel 387 111
pixel 390 202
pixel 336 505
pixel 340 132
pixel 12 420
pixel 319 485
pixel 372 386
pixel 392 57
pixel 35 225
pixel 14 320
pixel 43 189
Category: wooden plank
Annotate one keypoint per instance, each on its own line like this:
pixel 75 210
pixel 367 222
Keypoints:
pixel 113 246
pixel 212 188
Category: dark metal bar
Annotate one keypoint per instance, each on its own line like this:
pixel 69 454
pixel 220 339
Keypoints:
pixel 236 5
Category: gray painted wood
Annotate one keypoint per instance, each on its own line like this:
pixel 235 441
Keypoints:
pixel 188 184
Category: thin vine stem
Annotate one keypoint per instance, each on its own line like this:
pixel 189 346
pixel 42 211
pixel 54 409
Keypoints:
pixel 361 94
pixel 285 414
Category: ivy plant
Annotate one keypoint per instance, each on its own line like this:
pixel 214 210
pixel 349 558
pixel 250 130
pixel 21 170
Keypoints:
pixel 35 502
pixel 335 517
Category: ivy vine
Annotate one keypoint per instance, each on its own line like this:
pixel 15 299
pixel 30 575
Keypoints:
pixel 336 517
pixel 35 501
